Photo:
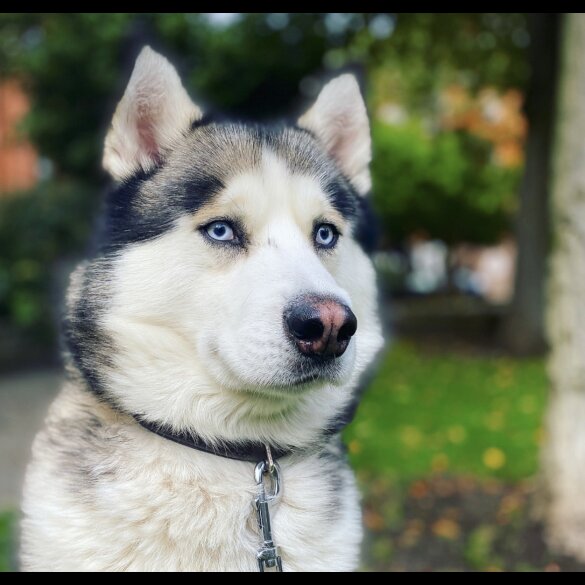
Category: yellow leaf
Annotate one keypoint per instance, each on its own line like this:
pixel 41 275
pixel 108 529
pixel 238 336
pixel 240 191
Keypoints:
pixel 440 463
pixel 411 437
pixel 448 529
pixel 354 447
pixel 494 458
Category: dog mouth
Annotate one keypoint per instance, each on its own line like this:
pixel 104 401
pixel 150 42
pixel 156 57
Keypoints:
pixel 315 373
pixel 297 383
pixel 307 379
pixel 298 374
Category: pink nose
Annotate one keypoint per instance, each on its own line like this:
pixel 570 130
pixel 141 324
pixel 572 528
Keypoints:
pixel 320 326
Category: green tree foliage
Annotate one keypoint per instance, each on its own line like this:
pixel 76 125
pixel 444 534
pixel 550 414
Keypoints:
pixel 442 183
pixel 426 51
pixel 70 65
pixel 36 229
pixel 75 67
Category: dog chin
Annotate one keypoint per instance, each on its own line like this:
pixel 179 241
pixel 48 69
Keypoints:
pixel 295 376
pixel 301 381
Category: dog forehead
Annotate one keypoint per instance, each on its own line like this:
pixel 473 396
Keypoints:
pixel 257 169
pixel 273 187
pixel 233 147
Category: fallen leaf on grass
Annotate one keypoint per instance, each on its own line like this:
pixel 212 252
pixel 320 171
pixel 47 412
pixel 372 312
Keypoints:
pixel 354 447
pixel 440 463
pixel 419 490
pixel 374 521
pixel 447 529
pixel 410 437
pixel 509 507
pixel 494 458
pixel 412 534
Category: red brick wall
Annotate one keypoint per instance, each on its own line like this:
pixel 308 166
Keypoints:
pixel 18 159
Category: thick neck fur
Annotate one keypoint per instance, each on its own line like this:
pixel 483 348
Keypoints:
pixel 219 415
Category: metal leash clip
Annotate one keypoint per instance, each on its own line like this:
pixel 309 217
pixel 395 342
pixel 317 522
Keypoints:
pixel 268 556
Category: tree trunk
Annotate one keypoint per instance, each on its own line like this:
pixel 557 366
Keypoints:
pixel 523 331
pixel 564 453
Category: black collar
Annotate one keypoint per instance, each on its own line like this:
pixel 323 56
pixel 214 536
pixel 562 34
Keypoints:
pixel 251 451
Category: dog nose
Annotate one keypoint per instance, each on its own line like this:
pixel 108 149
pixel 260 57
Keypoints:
pixel 320 326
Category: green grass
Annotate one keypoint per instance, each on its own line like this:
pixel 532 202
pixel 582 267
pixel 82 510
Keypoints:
pixel 6 531
pixel 451 413
pixel 429 412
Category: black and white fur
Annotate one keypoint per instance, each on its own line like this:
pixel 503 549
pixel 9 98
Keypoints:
pixel 164 324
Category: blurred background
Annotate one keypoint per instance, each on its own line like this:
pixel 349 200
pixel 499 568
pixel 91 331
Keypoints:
pixel 450 444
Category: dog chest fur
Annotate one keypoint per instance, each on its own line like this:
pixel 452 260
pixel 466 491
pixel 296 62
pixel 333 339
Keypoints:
pixel 128 500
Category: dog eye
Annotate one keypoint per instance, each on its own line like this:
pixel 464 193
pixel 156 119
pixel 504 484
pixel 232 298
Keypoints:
pixel 326 235
pixel 220 231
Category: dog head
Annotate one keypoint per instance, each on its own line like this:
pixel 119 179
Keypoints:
pixel 230 281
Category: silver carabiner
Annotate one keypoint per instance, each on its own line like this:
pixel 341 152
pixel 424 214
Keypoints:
pixel 262 469
pixel 268 556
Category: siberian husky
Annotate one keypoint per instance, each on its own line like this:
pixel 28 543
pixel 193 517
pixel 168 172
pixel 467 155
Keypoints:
pixel 213 345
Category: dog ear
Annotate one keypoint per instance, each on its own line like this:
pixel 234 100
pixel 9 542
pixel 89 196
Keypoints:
pixel 339 120
pixel 152 114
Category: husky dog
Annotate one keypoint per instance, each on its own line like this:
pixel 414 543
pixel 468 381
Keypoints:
pixel 223 321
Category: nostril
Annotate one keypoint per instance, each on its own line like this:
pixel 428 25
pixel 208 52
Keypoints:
pixel 344 333
pixel 320 326
pixel 312 330
pixel 348 329
pixel 306 329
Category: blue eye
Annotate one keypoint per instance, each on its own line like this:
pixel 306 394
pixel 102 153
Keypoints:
pixel 220 231
pixel 326 235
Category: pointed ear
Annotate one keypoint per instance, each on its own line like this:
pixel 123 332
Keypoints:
pixel 153 112
pixel 339 120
